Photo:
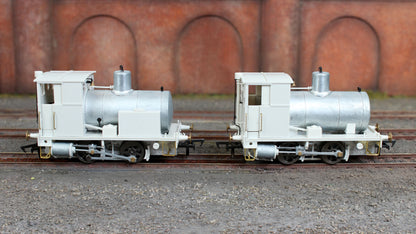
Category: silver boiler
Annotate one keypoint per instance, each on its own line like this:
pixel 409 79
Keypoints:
pixel 329 109
pixel 102 106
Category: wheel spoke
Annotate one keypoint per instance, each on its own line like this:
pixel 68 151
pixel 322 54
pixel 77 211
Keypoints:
pixel 332 147
pixel 285 158
pixel 84 157
pixel 130 148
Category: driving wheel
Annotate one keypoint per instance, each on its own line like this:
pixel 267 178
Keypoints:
pixel 286 158
pixel 84 157
pixel 332 147
pixel 129 148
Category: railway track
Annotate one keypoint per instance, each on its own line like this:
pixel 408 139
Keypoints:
pixel 393 114
pixel 221 135
pixel 13 113
pixel 215 135
pixel 213 115
pixel 213 161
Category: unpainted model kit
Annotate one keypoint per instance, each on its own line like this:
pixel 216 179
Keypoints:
pixel 274 121
pixel 78 119
pixel 277 121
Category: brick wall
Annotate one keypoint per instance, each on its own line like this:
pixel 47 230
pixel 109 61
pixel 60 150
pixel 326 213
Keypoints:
pixel 191 46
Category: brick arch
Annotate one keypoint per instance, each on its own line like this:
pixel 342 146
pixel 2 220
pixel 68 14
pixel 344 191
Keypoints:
pixel 207 54
pixel 349 48
pixel 102 43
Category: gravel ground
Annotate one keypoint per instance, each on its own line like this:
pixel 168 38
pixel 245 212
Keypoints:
pixel 195 201
pixel 61 200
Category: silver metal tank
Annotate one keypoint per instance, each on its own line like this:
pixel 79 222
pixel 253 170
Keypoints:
pixel 105 105
pixel 329 109
pixel 102 106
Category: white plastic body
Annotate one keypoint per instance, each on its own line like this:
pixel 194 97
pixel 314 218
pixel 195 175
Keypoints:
pixel 268 119
pixel 61 105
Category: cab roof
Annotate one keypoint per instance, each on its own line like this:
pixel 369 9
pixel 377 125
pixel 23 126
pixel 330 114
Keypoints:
pixel 263 78
pixel 62 76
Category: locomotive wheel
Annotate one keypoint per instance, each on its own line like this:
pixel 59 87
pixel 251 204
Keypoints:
pixel 133 148
pixel 84 157
pixel 287 159
pixel 332 147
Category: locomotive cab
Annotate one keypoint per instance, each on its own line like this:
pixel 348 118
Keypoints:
pixel 60 102
pixel 263 104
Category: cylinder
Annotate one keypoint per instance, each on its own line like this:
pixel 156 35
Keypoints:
pixel 105 105
pixel 332 112
pixel 63 149
pixel 122 81
pixel 320 83
pixel 266 152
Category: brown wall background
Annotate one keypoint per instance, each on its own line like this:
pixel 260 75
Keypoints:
pixel 191 46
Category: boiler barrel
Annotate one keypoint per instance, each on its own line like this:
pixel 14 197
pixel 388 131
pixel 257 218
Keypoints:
pixel 105 105
pixel 332 112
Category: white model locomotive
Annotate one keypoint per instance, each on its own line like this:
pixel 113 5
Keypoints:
pixel 79 120
pixel 272 119
pixel 275 121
